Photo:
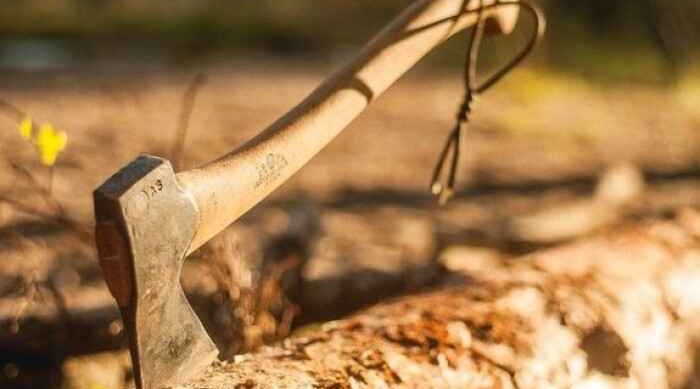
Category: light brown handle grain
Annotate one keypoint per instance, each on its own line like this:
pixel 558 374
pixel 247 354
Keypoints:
pixel 228 187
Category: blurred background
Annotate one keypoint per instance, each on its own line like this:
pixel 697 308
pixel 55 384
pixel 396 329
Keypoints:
pixel 648 40
pixel 599 128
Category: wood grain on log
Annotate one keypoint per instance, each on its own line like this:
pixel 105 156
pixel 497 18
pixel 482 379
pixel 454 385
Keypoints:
pixel 619 311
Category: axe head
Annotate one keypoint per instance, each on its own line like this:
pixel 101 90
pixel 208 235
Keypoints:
pixel 145 223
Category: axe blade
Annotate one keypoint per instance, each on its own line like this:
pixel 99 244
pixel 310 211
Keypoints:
pixel 145 223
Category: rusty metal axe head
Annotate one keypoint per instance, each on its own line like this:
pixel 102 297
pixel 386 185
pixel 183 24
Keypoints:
pixel 144 225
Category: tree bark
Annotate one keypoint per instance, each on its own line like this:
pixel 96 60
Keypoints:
pixel 616 311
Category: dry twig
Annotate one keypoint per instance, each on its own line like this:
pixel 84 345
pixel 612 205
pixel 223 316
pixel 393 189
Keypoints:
pixel 183 122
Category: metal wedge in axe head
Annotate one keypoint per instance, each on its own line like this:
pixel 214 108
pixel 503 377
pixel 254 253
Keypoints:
pixel 148 218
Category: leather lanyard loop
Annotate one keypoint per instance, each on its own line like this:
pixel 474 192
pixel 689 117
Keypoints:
pixel 445 191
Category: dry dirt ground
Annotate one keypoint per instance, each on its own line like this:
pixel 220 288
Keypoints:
pixel 548 158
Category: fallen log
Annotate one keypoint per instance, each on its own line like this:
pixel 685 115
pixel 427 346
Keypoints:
pixel 615 311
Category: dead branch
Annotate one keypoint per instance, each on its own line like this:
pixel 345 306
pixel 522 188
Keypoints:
pixel 618 311
pixel 183 121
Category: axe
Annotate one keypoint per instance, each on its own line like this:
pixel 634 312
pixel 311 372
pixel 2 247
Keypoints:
pixel 148 218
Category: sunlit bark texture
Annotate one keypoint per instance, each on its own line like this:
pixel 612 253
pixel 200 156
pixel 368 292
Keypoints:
pixel 619 311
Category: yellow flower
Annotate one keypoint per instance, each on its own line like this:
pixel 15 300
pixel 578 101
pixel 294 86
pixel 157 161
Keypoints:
pixel 25 128
pixel 50 143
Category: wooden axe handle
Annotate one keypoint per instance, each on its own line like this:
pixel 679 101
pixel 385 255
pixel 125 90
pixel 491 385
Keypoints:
pixel 228 187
